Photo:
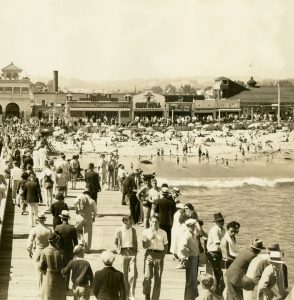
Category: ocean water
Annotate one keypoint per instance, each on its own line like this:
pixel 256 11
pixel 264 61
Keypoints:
pixel 257 195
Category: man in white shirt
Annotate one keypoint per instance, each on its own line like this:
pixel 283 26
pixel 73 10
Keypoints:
pixel 16 173
pixel 155 242
pixel 214 253
pixel 125 240
pixel 65 166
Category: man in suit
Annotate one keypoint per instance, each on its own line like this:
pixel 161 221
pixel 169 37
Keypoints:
pixel 130 187
pixel 92 182
pixel 68 238
pixel 237 270
pixel 37 241
pixel 166 208
pixel 108 283
pixel 32 195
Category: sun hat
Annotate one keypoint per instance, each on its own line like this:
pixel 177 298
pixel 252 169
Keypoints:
pixel 218 217
pixel 257 244
pixel 64 214
pixel 276 257
pixel 180 205
pixel 107 258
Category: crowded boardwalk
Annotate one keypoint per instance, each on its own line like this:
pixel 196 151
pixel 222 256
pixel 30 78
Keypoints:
pixel 17 276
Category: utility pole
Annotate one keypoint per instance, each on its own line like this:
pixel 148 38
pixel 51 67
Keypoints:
pixel 279 104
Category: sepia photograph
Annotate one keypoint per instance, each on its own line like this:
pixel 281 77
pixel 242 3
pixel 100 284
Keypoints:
pixel 146 150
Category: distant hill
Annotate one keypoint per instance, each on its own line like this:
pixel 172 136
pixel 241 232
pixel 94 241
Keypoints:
pixel 78 85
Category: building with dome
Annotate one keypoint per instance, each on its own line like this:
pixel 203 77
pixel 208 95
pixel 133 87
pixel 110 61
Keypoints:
pixel 15 94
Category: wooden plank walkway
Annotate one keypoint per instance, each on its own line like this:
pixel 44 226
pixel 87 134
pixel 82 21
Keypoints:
pixel 17 273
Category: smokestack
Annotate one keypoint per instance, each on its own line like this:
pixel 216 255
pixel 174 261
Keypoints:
pixel 55 81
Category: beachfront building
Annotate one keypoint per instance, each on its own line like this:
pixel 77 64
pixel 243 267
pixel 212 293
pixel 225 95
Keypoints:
pixel 105 107
pixel 148 104
pixel 15 94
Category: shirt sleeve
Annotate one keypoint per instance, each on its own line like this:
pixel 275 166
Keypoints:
pixel 31 238
pixel 165 241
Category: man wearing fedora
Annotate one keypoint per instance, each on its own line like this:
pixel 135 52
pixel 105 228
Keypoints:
pixel 51 263
pixel 68 238
pixel 37 241
pixel 238 269
pixel 108 283
pixel 175 193
pixel 92 182
pixel 214 254
pixel 255 270
pixel 131 186
pixel 272 284
pixel 166 208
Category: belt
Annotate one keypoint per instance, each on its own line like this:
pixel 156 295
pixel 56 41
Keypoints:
pixel 127 248
pixel 154 250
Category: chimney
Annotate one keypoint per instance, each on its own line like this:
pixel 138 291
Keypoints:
pixel 55 81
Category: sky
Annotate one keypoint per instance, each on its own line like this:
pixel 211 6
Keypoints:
pixel 126 39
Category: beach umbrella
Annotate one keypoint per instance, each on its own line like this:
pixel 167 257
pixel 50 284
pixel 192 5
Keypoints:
pixel 149 129
pixel 120 129
pixel 127 132
pixel 254 125
pixel 170 128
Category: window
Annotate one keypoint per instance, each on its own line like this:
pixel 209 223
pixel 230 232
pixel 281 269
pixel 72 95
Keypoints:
pixel 43 102
pixel 25 90
pixel 1 90
pixel 16 90
pixel 8 90
pixel 125 114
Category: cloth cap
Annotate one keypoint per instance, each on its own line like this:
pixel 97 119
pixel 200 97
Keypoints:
pixel 276 257
pixel 190 222
pixel 107 258
pixel 64 214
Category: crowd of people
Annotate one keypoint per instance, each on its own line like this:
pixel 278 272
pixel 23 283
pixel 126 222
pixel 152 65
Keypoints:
pixel 171 227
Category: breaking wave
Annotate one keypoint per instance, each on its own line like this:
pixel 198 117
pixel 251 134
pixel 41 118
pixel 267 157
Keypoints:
pixel 228 182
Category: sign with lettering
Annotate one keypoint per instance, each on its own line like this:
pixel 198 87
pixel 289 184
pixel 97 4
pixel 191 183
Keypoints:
pixel 181 107
pixel 233 103
pixel 147 105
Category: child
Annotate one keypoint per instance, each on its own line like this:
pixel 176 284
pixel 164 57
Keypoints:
pixel 206 292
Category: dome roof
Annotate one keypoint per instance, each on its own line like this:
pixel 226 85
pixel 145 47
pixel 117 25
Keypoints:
pixel 251 82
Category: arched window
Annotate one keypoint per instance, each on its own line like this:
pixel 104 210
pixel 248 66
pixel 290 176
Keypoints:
pixel 12 109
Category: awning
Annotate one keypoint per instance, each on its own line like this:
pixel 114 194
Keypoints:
pixel 148 109
pixel 229 109
pixel 99 109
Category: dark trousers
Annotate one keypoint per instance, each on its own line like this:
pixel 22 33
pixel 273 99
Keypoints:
pixel 191 290
pixel 215 259
pixel 167 229
pixel 134 207
pixel 234 292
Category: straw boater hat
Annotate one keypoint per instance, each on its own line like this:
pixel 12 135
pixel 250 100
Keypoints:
pixel 164 190
pixel 41 216
pixel 64 214
pixel 218 217
pixel 274 247
pixel 52 237
pixel 176 190
pixel 107 258
pixel 276 257
pixel 257 244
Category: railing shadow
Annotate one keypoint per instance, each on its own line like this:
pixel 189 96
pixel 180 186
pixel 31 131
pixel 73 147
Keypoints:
pixel 6 247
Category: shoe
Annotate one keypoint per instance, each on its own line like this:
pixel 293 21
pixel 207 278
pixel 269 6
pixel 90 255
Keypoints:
pixel 124 203
pixel 18 205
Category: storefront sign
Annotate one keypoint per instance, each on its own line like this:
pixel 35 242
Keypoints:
pixel 181 107
pixel 233 103
pixel 147 105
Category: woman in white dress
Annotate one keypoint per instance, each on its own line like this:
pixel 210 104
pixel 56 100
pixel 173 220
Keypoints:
pixel 36 158
pixel 176 230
